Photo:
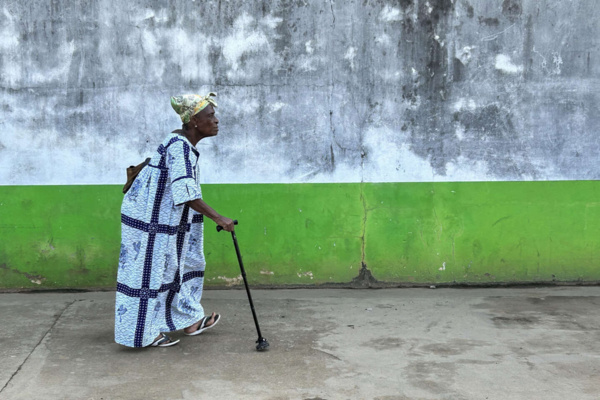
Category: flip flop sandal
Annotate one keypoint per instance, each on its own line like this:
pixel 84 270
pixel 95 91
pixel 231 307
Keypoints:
pixel 164 341
pixel 203 326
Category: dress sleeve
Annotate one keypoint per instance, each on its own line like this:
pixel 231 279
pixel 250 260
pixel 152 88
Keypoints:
pixel 181 162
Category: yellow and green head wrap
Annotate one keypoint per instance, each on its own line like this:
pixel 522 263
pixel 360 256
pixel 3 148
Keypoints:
pixel 188 105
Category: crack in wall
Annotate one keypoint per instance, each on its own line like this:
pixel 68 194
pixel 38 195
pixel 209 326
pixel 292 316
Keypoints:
pixel 364 278
pixel 364 224
pixel 38 344
pixel 332 13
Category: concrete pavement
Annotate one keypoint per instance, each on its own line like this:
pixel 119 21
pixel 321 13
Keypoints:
pixel 392 344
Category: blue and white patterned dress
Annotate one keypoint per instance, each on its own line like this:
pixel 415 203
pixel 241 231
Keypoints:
pixel 161 262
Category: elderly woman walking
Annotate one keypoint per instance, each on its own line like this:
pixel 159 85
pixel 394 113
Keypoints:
pixel 161 264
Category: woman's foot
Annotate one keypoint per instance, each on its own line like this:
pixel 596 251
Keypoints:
pixel 163 340
pixel 202 325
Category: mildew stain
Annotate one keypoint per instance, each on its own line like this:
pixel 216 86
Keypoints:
pixel 36 279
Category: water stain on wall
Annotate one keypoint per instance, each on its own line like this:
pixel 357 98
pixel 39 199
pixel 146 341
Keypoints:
pixel 309 92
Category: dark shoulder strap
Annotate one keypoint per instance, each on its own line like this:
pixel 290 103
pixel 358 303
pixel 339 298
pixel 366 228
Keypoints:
pixel 133 172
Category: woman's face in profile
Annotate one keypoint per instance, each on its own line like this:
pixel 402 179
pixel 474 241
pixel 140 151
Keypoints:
pixel 206 121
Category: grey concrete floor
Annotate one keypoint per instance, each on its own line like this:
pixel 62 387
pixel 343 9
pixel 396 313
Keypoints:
pixel 527 343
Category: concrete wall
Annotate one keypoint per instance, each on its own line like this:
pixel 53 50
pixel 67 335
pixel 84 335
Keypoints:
pixel 309 92
pixel 343 91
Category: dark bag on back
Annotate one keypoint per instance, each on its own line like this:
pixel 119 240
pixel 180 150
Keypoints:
pixel 133 172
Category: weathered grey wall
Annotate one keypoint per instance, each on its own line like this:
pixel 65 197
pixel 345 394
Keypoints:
pixel 329 91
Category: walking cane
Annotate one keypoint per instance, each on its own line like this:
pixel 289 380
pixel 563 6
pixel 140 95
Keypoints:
pixel 262 343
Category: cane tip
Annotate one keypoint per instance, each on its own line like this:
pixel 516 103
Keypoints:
pixel 262 345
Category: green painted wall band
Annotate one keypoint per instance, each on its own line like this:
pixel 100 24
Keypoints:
pixel 296 234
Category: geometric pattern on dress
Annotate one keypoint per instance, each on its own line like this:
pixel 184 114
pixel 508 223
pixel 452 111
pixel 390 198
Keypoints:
pixel 181 191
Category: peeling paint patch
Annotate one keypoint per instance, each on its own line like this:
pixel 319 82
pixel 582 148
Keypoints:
pixel 247 49
pixel 505 65
pixel 231 281
pixel 36 279
pixel 271 22
pixel 276 106
pixel 465 55
pixel 383 39
pixel 309 47
pixel 464 104
pixel 350 56
pixel 429 8
pixel 305 274
pixel 390 14
pixel 558 62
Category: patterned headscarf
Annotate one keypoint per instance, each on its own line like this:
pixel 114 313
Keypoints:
pixel 188 105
